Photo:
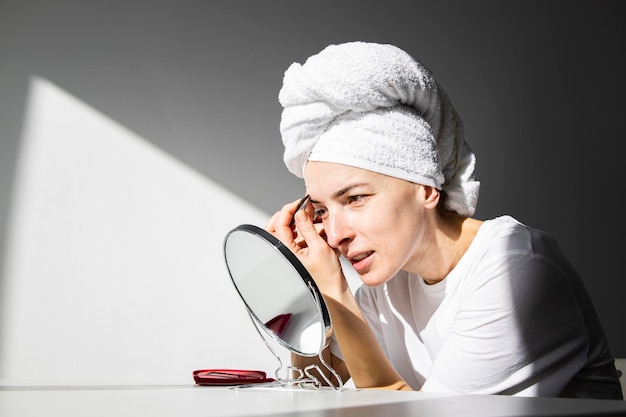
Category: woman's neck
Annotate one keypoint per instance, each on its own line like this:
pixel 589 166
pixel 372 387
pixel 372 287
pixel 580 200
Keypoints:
pixel 451 237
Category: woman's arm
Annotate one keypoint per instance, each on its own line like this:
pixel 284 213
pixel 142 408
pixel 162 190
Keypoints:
pixel 333 361
pixel 364 359
pixel 363 356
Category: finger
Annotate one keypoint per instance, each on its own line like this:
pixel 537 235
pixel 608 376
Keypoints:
pixel 283 229
pixel 303 204
pixel 308 230
pixel 319 228
pixel 318 225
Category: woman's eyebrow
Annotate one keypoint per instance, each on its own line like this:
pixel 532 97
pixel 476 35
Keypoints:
pixel 341 192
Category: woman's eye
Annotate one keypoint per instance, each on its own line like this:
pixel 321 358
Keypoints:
pixel 359 198
pixel 318 213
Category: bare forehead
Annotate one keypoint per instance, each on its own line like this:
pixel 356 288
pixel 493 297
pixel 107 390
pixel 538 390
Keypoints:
pixel 326 180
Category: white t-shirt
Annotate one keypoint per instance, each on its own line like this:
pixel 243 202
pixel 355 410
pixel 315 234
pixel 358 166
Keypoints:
pixel 513 317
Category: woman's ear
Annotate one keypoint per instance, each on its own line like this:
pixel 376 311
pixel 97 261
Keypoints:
pixel 431 196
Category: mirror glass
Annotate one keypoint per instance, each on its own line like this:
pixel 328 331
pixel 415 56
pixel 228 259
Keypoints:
pixel 277 290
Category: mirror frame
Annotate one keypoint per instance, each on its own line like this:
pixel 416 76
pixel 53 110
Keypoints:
pixel 299 270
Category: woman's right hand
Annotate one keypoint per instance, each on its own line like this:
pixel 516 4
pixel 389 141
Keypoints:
pixel 306 240
pixel 281 226
pixel 367 364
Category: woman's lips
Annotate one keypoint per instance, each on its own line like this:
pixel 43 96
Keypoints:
pixel 362 260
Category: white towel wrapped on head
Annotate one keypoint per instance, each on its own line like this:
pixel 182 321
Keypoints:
pixel 373 106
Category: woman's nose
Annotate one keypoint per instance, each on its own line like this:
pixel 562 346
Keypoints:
pixel 337 230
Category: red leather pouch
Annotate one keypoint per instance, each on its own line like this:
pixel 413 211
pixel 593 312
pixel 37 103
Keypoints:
pixel 225 377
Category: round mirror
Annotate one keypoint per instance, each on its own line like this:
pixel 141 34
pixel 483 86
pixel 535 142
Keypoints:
pixel 277 290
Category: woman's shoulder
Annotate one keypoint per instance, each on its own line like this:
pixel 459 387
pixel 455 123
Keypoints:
pixel 507 235
pixel 500 229
pixel 509 224
pixel 504 222
pixel 506 228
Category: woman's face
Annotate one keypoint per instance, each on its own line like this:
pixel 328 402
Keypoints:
pixel 373 220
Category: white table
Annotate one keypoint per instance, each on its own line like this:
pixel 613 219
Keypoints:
pixel 196 401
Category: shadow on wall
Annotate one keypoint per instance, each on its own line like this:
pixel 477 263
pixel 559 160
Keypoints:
pixel 114 268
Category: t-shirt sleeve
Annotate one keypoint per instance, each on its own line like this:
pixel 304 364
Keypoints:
pixel 518 329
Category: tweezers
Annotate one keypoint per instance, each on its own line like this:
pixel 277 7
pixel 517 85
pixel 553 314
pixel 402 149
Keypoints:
pixel 302 204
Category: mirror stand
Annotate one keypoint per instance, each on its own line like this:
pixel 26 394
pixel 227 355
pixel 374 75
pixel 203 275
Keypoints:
pixel 304 377
pixel 282 301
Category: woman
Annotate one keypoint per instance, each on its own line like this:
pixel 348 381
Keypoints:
pixel 449 303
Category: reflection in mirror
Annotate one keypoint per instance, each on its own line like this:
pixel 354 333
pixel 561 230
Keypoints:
pixel 280 296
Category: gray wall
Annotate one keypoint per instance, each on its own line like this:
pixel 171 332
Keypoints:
pixel 539 85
